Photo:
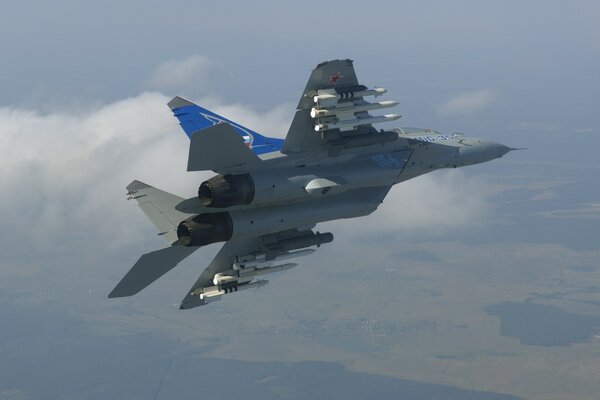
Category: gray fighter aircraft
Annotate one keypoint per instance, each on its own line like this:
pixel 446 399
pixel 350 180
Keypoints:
pixel 269 194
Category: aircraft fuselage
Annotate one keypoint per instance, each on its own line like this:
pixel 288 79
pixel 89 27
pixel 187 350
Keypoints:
pixel 290 191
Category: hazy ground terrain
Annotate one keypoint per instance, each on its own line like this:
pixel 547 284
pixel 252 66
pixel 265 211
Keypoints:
pixel 476 283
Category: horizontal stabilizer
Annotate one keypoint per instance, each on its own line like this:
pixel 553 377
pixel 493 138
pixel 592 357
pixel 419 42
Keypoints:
pixel 159 207
pixel 217 148
pixel 149 268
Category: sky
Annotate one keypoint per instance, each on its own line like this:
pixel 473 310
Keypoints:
pixel 83 112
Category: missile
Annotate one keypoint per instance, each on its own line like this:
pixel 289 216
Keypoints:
pixel 351 108
pixel 356 122
pixel 258 261
pixel 245 273
pixel 221 279
pixel 214 291
pixel 294 254
pixel 331 94
pixel 211 291
pixel 250 260
pixel 301 242
pixel 233 278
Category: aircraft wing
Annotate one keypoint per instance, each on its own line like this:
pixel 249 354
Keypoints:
pixel 334 74
pixel 332 109
pixel 241 261
pixel 223 261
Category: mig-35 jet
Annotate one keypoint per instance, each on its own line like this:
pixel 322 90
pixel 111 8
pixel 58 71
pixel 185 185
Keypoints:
pixel 269 194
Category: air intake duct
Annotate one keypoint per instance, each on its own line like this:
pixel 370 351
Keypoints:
pixel 226 191
pixel 205 229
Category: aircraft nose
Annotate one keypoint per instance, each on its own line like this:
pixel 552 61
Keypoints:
pixel 501 149
pixel 483 151
pixel 494 150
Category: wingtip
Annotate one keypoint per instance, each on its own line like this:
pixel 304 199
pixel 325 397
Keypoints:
pixel 185 305
pixel 178 102
pixel 114 294
pixel 122 290
pixel 190 302
pixel 345 61
pixel 137 185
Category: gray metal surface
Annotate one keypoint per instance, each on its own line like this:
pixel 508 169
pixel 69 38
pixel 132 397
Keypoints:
pixel 149 268
pixel 222 262
pixel 159 206
pixel 218 148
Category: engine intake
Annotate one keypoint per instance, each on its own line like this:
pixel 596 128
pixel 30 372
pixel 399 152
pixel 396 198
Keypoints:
pixel 205 229
pixel 226 191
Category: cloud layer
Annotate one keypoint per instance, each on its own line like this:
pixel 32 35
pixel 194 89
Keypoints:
pixel 179 74
pixel 63 175
pixel 467 103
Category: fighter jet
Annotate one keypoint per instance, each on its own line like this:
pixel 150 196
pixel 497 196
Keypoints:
pixel 269 194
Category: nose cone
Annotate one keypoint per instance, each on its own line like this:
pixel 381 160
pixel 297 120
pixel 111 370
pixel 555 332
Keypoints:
pixel 501 149
pixel 494 150
pixel 482 151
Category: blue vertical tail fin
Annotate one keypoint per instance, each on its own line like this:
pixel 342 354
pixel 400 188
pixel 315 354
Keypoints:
pixel 193 118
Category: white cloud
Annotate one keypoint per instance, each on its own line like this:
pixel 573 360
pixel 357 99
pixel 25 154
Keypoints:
pixel 467 103
pixel 179 74
pixel 63 175
pixel 431 204
pixel 436 202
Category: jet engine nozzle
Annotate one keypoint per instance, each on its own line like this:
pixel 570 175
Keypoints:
pixel 205 229
pixel 226 191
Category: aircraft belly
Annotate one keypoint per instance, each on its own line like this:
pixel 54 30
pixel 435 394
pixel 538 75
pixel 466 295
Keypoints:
pixel 264 220
pixel 304 184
